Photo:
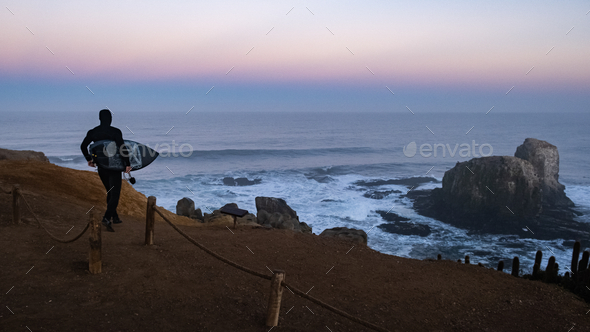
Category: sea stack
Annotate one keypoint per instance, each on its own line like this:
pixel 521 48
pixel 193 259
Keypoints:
pixel 506 195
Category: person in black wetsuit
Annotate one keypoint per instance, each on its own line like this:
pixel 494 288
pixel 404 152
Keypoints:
pixel 110 179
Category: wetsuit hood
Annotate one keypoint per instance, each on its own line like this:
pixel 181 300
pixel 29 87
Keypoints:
pixel 105 117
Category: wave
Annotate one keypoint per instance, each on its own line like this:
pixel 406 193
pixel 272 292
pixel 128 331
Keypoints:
pixel 291 153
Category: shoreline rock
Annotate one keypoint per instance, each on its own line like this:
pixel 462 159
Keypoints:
pixel 518 195
pixel 275 212
pixel 186 207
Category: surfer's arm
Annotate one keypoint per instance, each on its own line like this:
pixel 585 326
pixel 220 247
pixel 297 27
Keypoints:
pixel 84 147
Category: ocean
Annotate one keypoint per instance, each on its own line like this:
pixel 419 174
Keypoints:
pixel 318 163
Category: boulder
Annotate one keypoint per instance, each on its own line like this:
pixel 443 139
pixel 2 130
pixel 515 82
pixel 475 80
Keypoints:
pixel 198 214
pixel 6 154
pixel 271 205
pixel 275 212
pixel 185 207
pixel 350 234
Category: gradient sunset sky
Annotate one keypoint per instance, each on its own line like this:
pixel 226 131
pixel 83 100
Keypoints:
pixel 435 56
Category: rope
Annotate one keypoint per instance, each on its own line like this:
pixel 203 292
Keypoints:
pixel 293 289
pixel 52 236
pixel 212 253
pixel 335 310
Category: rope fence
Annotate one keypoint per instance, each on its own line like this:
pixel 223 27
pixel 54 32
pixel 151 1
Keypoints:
pixel 45 229
pixel 94 261
pixel 95 257
pixel 274 300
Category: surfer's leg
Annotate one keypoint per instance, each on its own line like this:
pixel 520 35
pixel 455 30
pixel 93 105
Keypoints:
pixel 104 178
pixel 114 193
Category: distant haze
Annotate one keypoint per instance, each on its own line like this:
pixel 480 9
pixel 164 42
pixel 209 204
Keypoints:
pixel 459 56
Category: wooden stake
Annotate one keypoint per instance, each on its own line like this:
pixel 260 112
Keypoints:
pixel 274 300
pixel 150 217
pixel 16 204
pixel 515 266
pixel 235 221
pixel 95 257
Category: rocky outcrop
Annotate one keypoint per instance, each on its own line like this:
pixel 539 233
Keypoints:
pixel 350 234
pixel 544 158
pixel 275 212
pixel 229 181
pixel 6 154
pixel 507 195
pixel 489 185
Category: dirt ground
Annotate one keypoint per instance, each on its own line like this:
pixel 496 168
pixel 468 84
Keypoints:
pixel 174 286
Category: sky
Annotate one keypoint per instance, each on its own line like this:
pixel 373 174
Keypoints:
pixel 352 56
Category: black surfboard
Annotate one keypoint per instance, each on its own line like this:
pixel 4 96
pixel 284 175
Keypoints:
pixel 105 155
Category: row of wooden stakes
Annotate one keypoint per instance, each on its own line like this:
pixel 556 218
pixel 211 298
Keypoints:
pixel 578 273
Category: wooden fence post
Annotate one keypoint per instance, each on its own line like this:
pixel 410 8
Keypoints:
pixel 95 256
pixel 150 217
pixel 16 204
pixel 274 300
pixel 515 266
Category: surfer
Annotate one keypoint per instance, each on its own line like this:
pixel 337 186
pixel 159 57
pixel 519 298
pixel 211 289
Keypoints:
pixel 110 179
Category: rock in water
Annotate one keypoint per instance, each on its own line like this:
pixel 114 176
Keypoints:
pixel 511 181
pixel 229 181
pixel 545 160
pixel 185 207
pixel 390 216
pixel 350 234
pixel 504 194
pixel 406 228
pixel 276 213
